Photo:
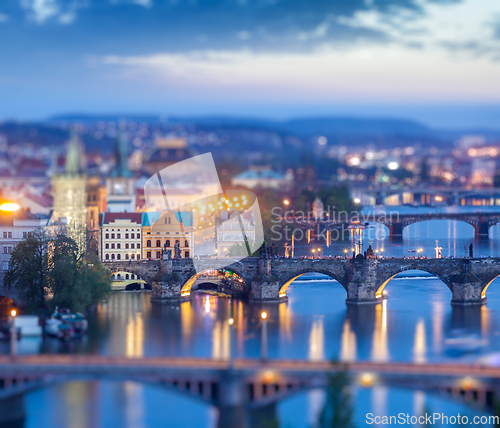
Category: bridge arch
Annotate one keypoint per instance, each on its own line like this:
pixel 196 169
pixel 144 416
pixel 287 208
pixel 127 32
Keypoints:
pixel 188 285
pixel 382 284
pixel 147 283
pixel 284 284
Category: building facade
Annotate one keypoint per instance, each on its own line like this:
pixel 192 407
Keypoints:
pixel 120 236
pixel 163 231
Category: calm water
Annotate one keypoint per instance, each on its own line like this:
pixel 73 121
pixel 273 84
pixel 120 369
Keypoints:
pixel 411 325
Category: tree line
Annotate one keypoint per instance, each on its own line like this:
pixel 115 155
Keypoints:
pixel 54 271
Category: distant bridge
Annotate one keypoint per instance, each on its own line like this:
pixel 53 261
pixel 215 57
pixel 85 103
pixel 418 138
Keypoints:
pixel 235 387
pixel 363 279
pixel 394 221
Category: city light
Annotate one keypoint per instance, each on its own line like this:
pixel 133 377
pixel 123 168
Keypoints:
pixel 13 313
pixel 357 200
pixel 286 202
pixel 393 165
pixel 263 315
pixel 9 207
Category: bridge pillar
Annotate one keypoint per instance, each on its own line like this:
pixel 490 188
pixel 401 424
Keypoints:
pixel 265 287
pixel 166 284
pixel 481 230
pixel 12 412
pixel 466 288
pixel 362 284
pixel 231 402
pixel 396 231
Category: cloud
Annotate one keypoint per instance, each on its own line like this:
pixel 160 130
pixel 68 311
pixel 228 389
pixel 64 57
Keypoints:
pixel 4 17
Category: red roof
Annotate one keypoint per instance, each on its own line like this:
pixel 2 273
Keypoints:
pixel 107 218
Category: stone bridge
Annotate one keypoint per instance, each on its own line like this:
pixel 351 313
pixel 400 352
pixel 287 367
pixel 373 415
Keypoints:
pixel 363 279
pixel 245 391
pixel 396 222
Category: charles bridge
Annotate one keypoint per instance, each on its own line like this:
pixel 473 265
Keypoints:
pixel 267 279
pixel 244 391
pixel 395 221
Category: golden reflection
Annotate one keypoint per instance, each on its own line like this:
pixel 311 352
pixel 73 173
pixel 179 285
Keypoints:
pixel 285 321
pixel 438 326
pixel 187 319
pixel 77 395
pixel 286 285
pixel 317 341
pixel 348 343
pixel 134 337
pixel 485 321
pixel 380 349
pixel 220 341
pixel 419 344
pixel 418 403
pixel 134 407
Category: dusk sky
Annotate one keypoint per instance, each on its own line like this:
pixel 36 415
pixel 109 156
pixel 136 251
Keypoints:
pixel 433 61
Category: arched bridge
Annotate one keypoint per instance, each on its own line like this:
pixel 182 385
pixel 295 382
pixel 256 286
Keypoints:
pixel 236 386
pixel 396 222
pixel 363 279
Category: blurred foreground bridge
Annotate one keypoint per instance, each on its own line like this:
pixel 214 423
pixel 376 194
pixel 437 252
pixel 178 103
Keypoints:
pixel 245 391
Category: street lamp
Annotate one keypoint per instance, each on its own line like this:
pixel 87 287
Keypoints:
pixel 286 202
pixel 13 333
pixel 263 345
pixel 9 207
pixel 345 253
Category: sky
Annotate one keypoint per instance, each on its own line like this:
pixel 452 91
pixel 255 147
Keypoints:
pixel 435 61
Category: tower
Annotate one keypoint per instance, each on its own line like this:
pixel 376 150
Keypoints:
pixel 69 190
pixel 120 184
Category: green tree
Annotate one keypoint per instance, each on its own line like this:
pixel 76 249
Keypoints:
pixel 338 410
pixel 28 268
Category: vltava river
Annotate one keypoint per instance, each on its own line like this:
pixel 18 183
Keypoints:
pixel 411 325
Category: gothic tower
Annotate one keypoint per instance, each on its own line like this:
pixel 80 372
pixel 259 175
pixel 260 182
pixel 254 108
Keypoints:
pixel 69 191
pixel 120 184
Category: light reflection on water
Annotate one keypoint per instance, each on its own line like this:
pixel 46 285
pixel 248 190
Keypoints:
pixel 316 324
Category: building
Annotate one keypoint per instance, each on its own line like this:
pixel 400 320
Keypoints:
pixel 318 209
pixel 230 232
pixel 120 184
pixel 69 190
pixel 166 152
pixel 159 231
pixel 120 236
pixel 263 177
pixel 14 227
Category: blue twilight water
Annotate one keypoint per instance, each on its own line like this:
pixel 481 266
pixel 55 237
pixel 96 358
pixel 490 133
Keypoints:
pixel 411 325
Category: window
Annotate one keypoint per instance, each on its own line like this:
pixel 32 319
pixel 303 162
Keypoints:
pixel 158 254
pixel 138 256
pixel 148 243
pixel 107 256
pixel 126 256
pixel 112 236
pixel 5 250
pixel 10 234
pixel 118 256
pixel 9 250
pixel 158 243
pixel 186 243
pixel 25 235
pixel 112 246
pixel 132 256
pixel 118 245
pixel 126 236
pixel 107 246
pixel 112 256
pixel 5 234
pixel 5 265
pixel 126 246
pixel 178 242
pixel 148 254
pixel 107 235
pixel 132 245
pixel 132 236
pixel 168 242
pixel 118 236
pixel 126 276
pixel 138 245
pixel 186 254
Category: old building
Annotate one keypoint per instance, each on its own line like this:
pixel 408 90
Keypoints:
pixel 120 184
pixel 163 231
pixel 120 236
pixel 69 190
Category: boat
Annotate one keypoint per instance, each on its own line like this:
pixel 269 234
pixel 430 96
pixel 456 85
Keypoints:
pixel 64 324
pixel 462 341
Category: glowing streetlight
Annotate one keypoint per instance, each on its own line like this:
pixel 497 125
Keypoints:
pixel 9 207
pixel 13 334
pixel 263 344
pixel 286 202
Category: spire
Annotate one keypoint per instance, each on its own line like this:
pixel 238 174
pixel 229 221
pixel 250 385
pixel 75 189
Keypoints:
pixel 121 154
pixel 74 155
